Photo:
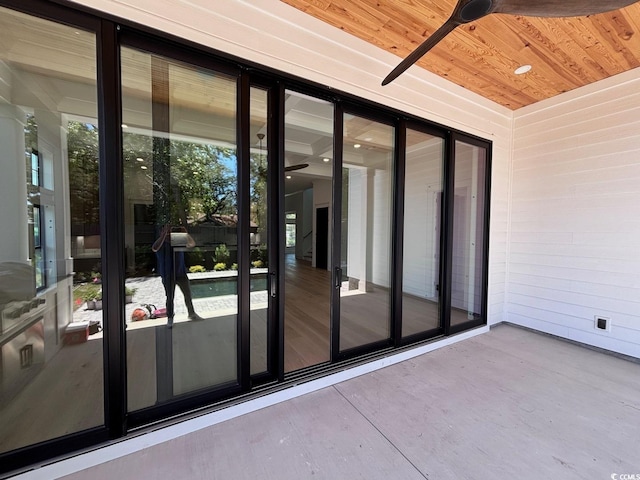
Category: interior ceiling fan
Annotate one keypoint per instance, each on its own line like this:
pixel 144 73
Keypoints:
pixel 290 168
pixel 299 166
pixel 470 10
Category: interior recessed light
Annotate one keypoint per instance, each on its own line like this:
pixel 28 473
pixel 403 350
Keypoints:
pixel 140 159
pixel 357 145
pixel 143 167
pixel 326 160
pixel 288 176
pixel 522 69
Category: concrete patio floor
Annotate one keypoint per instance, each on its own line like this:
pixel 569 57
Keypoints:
pixel 510 403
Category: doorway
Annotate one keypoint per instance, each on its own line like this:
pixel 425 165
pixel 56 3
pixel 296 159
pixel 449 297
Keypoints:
pixel 322 238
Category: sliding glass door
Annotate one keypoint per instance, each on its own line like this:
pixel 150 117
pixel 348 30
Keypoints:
pixel 51 343
pixel 422 233
pixel 363 277
pixel 262 269
pixel 468 259
pixel 181 221
pixel 306 175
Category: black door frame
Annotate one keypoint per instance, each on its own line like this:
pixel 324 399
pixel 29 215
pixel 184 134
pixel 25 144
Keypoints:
pixel 406 125
pixel 129 38
pixel 274 288
pixel 341 109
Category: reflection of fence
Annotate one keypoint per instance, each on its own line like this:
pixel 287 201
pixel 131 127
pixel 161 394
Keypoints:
pixel 207 235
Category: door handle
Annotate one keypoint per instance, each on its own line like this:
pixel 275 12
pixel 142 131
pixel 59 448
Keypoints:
pixel 338 277
pixel 273 284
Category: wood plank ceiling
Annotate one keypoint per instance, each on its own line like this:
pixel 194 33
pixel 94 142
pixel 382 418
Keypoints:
pixel 565 53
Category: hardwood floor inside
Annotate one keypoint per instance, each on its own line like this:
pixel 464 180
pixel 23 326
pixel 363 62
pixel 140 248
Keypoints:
pixel 364 315
pixel 306 314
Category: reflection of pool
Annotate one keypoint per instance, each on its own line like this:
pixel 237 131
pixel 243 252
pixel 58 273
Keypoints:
pixel 213 287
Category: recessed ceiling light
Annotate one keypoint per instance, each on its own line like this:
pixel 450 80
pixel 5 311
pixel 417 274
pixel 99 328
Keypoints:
pixel 357 145
pixel 140 159
pixel 143 167
pixel 326 160
pixel 522 69
pixel 288 176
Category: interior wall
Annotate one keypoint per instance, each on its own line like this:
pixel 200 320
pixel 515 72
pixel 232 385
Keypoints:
pixel 576 215
pixel 380 203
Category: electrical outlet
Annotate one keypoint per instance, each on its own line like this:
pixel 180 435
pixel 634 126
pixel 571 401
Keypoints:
pixel 602 323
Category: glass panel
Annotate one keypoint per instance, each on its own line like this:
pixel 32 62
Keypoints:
pixel 421 253
pixel 468 233
pixel 367 191
pixel 290 241
pixel 290 230
pixel 51 375
pixel 180 227
pixel 308 188
pixel 259 232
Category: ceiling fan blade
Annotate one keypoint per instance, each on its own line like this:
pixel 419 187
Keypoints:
pixel 558 8
pixel 470 10
pixel 465 11
pixel 423 48
pixel 300 166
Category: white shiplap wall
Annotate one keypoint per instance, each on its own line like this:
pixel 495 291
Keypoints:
pixel 575 219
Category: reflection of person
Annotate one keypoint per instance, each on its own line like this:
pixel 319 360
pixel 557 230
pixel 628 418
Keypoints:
pixel 172 266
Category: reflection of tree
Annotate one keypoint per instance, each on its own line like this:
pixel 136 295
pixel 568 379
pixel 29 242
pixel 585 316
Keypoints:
pixel 202 177
pixel 30 140
pixel 206 179
pixel 82 146
pixel 200 180
pixel 258 191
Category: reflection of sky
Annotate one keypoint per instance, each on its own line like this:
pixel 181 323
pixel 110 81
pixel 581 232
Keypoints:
pixel 230 162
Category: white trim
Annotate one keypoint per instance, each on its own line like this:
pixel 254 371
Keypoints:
pixel 164 434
